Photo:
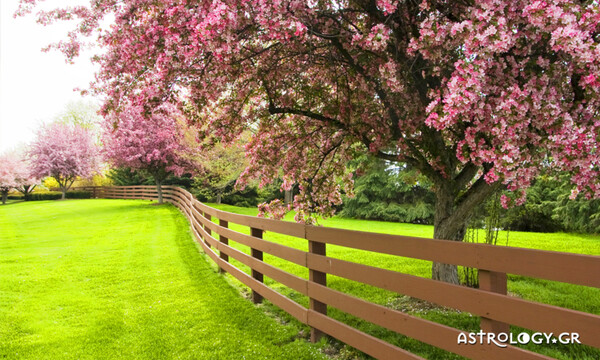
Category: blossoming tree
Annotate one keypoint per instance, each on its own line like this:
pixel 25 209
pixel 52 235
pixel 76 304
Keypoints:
pixel 152 144
pixel 24 180
pixel 8 166
pixel 64 152
pixel 478 95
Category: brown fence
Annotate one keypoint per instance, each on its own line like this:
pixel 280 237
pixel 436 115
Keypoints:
pixel 496 309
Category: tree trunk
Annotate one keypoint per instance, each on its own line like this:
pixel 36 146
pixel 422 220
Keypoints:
pixel 4 196
pixel 454 206
pixel 28 189
pixel 447 227
pixel 219 196
pixel 64 192
pixel 288 197
pixel 159 191
pixel 447 272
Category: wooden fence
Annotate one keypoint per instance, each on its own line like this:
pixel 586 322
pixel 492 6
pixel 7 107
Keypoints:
pixel 496 309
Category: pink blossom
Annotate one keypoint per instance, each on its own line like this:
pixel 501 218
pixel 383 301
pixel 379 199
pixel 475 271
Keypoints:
pixel 499 84
pixel 153 144
pixel 64 152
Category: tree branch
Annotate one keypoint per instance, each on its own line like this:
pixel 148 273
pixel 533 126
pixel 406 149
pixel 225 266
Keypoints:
pixel 465 175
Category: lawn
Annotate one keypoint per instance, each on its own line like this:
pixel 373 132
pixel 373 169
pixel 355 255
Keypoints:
pixel 124 279
pixel 549 292
pixel 109 279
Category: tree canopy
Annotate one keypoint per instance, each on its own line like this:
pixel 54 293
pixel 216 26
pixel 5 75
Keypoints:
pixel 64 152
pixel 478 95
pixel 9 167
pixel 150 143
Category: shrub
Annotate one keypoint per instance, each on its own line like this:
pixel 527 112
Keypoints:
pixel 79 195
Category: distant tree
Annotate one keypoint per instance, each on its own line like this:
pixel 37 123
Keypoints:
pixel 390 193
pixel 570 210
pixel 580 215
pixel 537 213
pixel 8 165
pixel 151 143
pixel 17 168
pixel 124 176
pixel 64 152
pixel 25 180
pixel 221 167
pixel 82 113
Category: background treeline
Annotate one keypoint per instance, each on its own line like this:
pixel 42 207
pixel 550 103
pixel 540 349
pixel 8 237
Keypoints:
pixel 389 193
pixel 204 191
pixel 399 194
pixel 549 209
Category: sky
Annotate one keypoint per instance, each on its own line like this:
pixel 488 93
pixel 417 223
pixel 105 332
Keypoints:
pixel 34 86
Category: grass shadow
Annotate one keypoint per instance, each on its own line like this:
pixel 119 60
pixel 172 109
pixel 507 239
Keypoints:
pixel 12 202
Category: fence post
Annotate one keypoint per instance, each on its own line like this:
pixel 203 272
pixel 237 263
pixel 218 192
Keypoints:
pixel 320 278
pixel 206 228
pixel 225 241
pixel 257 254
pixel 495 282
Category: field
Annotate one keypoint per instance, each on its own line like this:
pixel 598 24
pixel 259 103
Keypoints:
pixel 124 279
pixel 110 279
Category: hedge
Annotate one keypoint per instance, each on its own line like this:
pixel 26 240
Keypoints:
pixel 53 195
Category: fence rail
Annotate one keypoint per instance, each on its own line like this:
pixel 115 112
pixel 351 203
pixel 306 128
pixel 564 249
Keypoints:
pixel 491 302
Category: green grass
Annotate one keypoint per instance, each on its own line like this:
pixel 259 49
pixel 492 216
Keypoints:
pixel 575 297
pixel 123 279
pixel 109 279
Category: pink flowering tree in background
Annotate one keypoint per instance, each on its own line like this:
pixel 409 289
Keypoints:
pixel 25 180
pixel 64 152
pixel 9 165
pixel 15 173
pixel 477 95
pixel 152 143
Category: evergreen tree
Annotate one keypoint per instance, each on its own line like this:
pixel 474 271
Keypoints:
pixel 390 193
pixel 537 214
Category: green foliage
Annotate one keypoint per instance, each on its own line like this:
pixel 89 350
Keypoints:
pixel 15 197
pixel 390 194
pixel 82 113
pixel 536 214
pixel 129 177
pixel 184 181
pixel 221 166
pixel 55 195
pixel 250 196
pixel 580 215
pixel 549 209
